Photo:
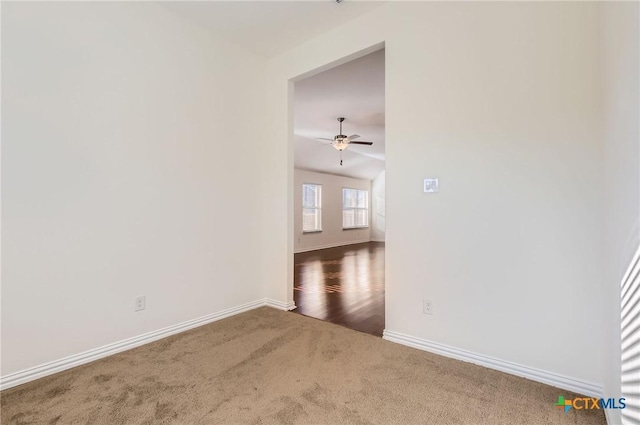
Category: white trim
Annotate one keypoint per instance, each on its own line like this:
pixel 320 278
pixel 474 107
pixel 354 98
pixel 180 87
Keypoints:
pixel 607 417
pixel 329 245
pixel 288 306
pixel 30 374
pixel 550 378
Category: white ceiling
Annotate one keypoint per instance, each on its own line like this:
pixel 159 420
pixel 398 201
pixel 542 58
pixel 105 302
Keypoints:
pixel 269 28
pixel 354 90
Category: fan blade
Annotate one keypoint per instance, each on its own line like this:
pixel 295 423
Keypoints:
pixel 324 138
pixel 361 143
pixel 353 136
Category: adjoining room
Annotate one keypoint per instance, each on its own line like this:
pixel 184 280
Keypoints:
pixel 339 194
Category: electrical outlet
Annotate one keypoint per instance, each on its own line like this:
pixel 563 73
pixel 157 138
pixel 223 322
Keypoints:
pixel 298 240
pixel 140 303
pixel 427 307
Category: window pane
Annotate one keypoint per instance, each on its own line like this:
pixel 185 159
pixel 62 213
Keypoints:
pixel 355 208
pixel 311 213
pixel 348 200
pixel 362 217
pixel 307 196
pixel 355 198
pixel 362 199
pixel 348 218
pixel 310 219
pixel 311 195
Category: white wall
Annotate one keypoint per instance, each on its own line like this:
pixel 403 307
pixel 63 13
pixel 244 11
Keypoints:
pixel 501 102
pixel 125 172
pixel 332 233
pixel 622 166
pixel 378 213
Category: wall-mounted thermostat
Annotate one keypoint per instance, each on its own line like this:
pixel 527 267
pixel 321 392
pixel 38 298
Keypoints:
pixel 430 185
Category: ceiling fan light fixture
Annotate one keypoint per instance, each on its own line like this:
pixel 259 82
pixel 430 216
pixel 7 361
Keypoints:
pixel 340 144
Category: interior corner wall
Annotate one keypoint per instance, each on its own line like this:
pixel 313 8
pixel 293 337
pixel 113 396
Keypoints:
pixel 378 195
pixel 125 172
pixel 332 232
pixel 501 101
pixel 621 94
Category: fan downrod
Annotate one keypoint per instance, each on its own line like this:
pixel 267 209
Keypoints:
pixel 340 121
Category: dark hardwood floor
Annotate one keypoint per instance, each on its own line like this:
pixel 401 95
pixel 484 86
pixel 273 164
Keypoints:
pixel 342 285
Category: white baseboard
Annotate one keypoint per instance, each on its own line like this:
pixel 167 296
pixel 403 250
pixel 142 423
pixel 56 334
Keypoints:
pixel 549 378
pixel 330 245
pixel 30 374
pixel 291 305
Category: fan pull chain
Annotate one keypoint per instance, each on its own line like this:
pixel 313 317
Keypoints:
pixel 340 157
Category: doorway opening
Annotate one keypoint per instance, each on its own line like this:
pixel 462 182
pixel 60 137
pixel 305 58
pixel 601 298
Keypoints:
pixel 339 194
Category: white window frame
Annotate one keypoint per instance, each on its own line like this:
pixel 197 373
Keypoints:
pixel 316 206
pixel 345 208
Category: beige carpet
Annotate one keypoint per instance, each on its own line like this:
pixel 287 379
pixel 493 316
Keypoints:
pixel 272 367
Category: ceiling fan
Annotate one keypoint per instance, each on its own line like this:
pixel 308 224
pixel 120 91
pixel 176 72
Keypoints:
pixel 342 142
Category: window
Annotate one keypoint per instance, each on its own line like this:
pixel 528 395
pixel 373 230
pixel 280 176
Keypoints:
pixel 355 208
pixel 311 208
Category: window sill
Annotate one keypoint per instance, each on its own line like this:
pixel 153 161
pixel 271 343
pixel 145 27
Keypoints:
pixel 311 231
pixel 355 228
